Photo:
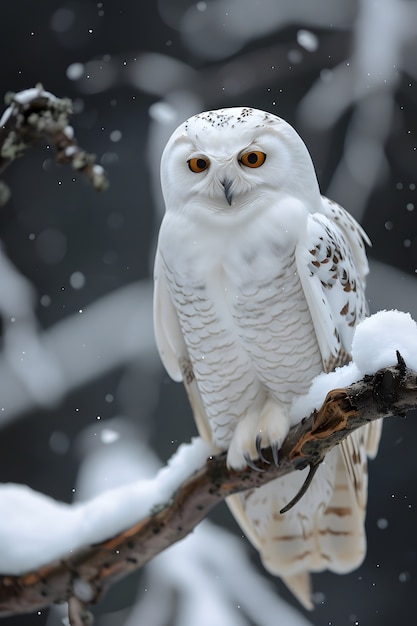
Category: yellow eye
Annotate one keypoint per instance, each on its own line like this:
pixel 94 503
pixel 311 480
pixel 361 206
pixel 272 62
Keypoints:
pixel 255 158
pixel 198 164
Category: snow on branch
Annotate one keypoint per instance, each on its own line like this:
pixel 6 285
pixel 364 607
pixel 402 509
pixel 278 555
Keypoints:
pixel 34 116
pixel 188 489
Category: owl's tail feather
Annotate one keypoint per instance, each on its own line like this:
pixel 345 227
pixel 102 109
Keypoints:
pixel 300 586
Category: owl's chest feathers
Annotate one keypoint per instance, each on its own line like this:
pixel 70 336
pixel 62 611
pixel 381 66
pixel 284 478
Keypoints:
pixel 246 321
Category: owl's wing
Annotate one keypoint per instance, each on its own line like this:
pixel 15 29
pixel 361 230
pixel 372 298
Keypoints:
pixel 332 266
pixel 357 238
pixel 168 335
pixel 171 345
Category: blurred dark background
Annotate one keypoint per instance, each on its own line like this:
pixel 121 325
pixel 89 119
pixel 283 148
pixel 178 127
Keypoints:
pixel 344 74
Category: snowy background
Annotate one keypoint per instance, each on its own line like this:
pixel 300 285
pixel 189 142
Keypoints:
pixel 84 402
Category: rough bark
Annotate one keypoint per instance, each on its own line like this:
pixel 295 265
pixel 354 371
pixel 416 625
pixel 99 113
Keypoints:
pixel 82 578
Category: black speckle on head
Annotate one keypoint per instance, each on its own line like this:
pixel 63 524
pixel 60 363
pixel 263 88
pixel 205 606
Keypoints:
pixel 223 118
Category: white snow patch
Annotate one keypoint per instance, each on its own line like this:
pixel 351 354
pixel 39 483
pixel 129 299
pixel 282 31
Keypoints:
pixel 69 132
pixel 307 40
pixel 374 345
pixel 83 590
pixel 27 95
pixel 98 170
pixel 70 151
pixel 35 529
pixel 320 387
pixel 5 116
pixel 378 337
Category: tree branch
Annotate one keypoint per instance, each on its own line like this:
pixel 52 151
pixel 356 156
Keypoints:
pixel 83 577
pixel 34 116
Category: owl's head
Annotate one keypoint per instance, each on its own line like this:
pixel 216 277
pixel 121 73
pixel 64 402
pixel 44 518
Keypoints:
pixel 236 160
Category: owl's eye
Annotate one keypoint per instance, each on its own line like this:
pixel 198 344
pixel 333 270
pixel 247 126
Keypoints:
pixel 198 164
pixel 255 158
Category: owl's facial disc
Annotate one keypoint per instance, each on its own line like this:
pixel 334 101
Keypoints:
pixel 223 172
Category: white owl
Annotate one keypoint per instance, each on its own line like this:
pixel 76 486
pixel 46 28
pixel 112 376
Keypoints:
pixel 259 283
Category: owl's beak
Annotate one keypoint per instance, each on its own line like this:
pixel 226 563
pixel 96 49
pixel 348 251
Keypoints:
pixel 227 183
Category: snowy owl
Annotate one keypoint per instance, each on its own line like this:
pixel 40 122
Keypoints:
pixel 259 283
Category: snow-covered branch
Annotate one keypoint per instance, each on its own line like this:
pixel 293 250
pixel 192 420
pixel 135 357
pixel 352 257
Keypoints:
pixel 34 116
pixel 180 497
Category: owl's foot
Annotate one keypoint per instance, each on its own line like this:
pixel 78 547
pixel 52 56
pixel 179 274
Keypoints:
pixel 256 432
pixel 258 443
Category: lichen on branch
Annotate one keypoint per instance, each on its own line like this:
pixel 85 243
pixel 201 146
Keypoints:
pixel 35 116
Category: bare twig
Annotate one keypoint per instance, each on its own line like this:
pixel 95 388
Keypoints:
pixel 87 574
pixel 34 116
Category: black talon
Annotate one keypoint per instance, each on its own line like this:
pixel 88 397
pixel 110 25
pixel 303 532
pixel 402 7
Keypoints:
pixel 259 450
pixel 250 463
pixel 306 484
pixel 274 449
